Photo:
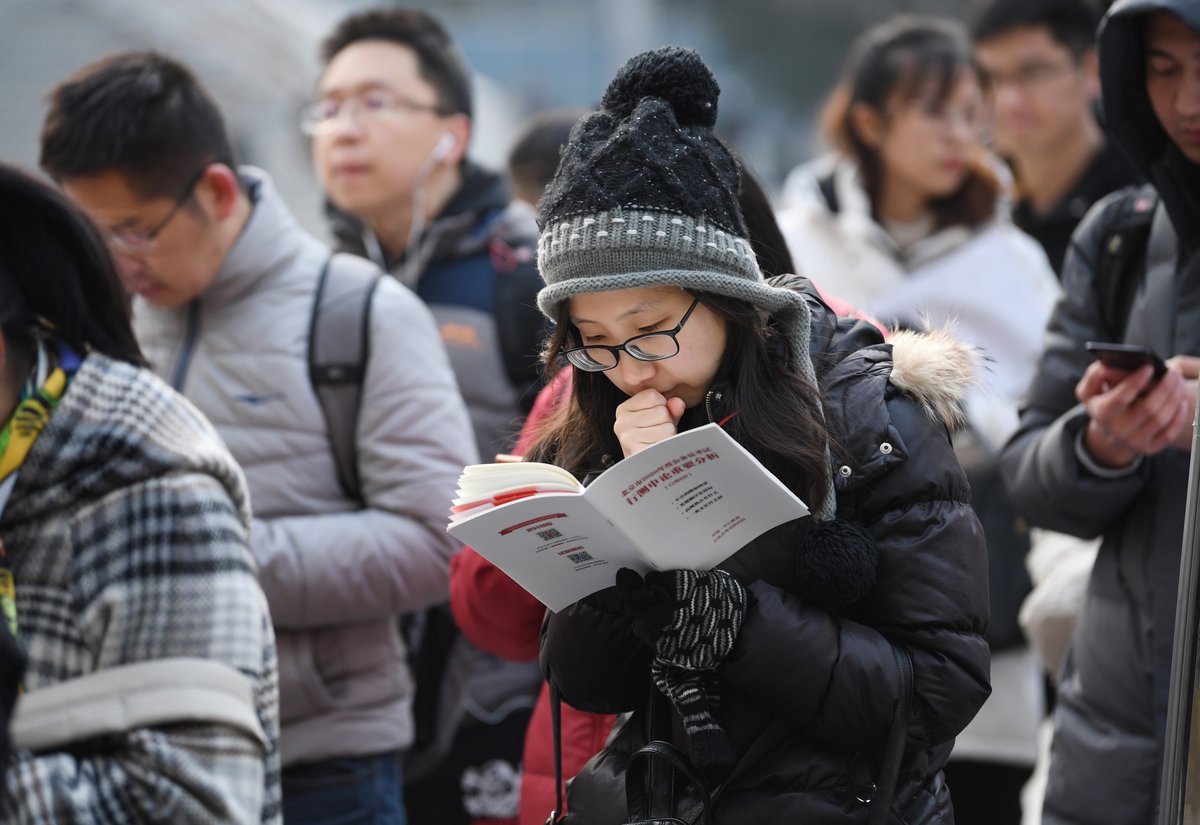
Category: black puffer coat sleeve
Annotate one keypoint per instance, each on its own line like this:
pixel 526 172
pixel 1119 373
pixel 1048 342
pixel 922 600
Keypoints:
pixel 834 675
pixel 590 650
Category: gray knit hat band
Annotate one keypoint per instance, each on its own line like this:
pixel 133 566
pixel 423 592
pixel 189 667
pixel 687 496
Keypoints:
pixel 630 241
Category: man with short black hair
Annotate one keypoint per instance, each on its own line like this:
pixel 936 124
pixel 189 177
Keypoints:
pixel 1038 63
pixel 390 129
pixel 225 283
pixel 1103 451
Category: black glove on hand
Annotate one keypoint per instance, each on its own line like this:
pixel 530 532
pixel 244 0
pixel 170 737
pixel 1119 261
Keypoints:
pixel 649 602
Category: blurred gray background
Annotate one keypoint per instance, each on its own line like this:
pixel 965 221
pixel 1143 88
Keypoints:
pixel 775 60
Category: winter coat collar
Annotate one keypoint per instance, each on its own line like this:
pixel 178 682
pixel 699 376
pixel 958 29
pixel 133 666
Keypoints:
pixel 265 245
pixel 856 220
pixel 933 367
pixel 482 191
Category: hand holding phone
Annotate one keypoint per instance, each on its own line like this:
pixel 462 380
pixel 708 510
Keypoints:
pixel 1128 357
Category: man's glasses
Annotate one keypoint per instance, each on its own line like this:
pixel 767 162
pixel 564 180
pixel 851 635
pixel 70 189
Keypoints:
pixel 652 346
pixel 139 242
pixel 1026 77
pixel 322 116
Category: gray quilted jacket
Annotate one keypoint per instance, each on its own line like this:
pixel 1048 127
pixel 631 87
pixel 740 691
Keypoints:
pixel 337 576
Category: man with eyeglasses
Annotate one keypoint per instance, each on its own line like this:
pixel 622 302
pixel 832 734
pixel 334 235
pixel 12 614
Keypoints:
pixel 1038 63
pixel 224 285
pixel 390 127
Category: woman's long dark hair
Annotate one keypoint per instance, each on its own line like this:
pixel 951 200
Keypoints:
pixel 779 418
pixel 56 272
pixel 894 64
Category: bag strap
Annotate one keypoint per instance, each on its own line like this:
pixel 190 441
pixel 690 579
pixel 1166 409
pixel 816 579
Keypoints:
pixel 556 730
pixel 339 346
pixel 641 762
pixel 1118 272
pixel 893 754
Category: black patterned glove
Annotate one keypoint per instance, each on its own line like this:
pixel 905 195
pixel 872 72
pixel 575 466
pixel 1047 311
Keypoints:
pixel 705 624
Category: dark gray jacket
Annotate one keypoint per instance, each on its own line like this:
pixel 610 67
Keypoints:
pixel 1112 702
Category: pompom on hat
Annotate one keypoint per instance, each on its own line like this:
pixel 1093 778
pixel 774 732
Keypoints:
pixel 645 195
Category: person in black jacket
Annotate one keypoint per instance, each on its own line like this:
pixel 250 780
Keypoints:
pixel 810 633
pixel 1104 452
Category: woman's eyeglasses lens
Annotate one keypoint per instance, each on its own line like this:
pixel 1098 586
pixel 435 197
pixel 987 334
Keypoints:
pixel 653 346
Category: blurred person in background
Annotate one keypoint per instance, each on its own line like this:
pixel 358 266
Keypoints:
pixel 224 283
pixel 1105 452
pixel 151 691
pixel 533 156
pixel 1037 59
pixel 907 221
pixel 390 130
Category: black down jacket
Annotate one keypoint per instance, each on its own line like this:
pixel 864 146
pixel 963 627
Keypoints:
pixel 830 675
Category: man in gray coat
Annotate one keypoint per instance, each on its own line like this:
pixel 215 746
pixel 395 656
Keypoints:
pixel 1103 451
pixel 224 283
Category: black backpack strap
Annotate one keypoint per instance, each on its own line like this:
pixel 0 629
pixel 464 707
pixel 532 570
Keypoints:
pixel 1122 251
pixel 339 345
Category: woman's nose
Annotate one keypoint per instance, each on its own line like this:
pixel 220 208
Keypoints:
pixel 634 372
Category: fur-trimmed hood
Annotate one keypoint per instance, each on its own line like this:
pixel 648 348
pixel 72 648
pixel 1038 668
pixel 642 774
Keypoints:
pixel 934 367
pixel 937 370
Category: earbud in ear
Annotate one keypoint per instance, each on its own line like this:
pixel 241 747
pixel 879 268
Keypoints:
pixel 443 148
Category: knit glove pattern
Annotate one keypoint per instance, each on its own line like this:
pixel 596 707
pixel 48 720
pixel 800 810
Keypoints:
pixel 709 611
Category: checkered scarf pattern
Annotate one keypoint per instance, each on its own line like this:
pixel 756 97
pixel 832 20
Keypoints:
pixel 707 619
pixel 127 535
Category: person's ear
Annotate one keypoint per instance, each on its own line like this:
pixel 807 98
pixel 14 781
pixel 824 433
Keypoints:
pixel 457 136
pixel 219 190
pixel 867 124
pixel 1089 64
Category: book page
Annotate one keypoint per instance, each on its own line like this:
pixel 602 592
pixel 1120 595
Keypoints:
pixel 692 500
pixel 557 546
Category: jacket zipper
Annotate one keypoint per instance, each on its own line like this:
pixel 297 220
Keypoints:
pixel 191 331
pixel 709 397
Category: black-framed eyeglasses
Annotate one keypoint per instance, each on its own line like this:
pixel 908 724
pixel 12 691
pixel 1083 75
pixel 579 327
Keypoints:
pixel 138 242
pixel 651 346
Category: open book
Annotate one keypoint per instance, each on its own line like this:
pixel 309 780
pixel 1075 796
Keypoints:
pixel 688 502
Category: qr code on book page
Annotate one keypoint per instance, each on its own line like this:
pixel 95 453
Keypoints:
pixel 549 535
pixel 580 557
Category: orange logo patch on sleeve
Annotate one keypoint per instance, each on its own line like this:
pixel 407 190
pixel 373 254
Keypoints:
pixel 461 335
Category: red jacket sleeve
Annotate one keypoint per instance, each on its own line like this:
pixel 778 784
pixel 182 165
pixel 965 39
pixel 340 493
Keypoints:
pixel 494 612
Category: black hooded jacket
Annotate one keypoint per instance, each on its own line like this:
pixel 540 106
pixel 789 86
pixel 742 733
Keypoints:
pixel 1111 710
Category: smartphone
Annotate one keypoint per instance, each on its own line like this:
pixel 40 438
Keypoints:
pixel 1126 356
